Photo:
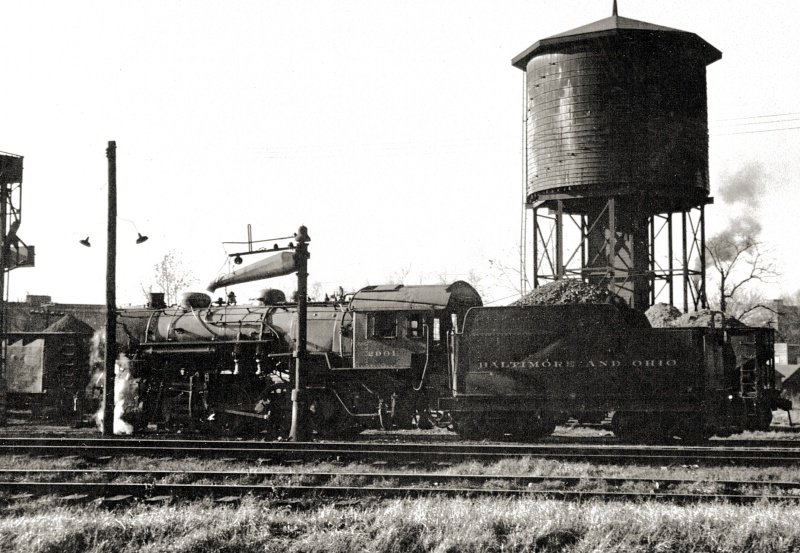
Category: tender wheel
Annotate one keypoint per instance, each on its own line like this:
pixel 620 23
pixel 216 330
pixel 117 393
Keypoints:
pixel 640 428
pixel 764 417
pixel 476 426
pixel 469 427
pixel 591 417
pixel 532 427
pixel 423 420
pixel 690 430
pixel 411 411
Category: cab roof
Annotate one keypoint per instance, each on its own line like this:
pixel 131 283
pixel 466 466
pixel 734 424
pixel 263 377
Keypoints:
pixel 426 297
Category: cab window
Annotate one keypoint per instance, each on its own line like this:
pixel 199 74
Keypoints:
pixel 437 330
pixel 414 327
pixel 382 325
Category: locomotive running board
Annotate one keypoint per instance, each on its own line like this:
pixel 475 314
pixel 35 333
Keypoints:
pixel 180 349
pixel 197 347
pixel 244 414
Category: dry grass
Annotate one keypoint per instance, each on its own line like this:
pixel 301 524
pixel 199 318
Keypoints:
pixel 431 524
pixel 428 524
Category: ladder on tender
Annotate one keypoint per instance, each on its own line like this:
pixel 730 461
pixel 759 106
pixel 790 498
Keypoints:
pixel 749 379
pixel 754 365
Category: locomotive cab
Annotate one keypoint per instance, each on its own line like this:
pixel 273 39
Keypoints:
pixel 396 326
pixel 390 339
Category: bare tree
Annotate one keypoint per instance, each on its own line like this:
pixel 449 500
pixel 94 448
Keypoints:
pixel 738 261
pixel 750 306
pixel 171 276
pixel 315 293
pixel 476 280
pixel 443 277
pixel 509 277
pixel 399 276
pixel 736 256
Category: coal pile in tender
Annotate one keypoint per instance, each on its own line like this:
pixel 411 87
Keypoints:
pixel 564 292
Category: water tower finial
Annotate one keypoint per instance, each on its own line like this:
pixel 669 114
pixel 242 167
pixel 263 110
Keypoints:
pixel 614 9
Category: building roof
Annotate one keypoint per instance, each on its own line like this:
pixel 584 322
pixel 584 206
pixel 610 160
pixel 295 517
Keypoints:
pixel 69 323
pixel 616 26
pixel 791 376
pixel 786 370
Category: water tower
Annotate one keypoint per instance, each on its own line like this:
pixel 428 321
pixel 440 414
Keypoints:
pixel 616 159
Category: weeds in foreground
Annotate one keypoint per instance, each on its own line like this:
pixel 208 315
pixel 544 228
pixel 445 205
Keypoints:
pixel 415 525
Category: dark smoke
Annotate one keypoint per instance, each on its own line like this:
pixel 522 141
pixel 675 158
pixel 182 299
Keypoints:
pixel 745 186
pixel 742 191
pixel 740 232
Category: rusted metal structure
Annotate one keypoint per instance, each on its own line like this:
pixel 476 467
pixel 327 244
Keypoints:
pixel 14 252
pixel 616 159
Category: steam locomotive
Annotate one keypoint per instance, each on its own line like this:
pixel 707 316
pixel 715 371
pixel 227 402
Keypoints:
pixel 398 356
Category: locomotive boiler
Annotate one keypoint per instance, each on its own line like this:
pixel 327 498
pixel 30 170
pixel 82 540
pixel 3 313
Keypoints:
pixel 398 356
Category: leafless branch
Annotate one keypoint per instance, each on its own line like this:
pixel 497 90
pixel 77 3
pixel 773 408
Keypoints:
pixel 739 262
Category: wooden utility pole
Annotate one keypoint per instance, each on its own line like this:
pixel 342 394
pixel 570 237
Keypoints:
pixel 111 292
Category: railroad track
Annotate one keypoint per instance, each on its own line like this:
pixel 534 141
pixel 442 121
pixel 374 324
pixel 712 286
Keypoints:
pixel 121 487
pixel 399 453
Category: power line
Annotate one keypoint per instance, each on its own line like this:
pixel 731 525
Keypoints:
pixel 758 123
pixel 763 130
pixel 770 119
pixel 759 117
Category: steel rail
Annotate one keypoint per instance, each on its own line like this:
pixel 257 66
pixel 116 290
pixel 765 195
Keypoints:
pixel 393 436
pixel 407 477
pixel 120 492
pixel 397 452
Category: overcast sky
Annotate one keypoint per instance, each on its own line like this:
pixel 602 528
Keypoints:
pixel 391 129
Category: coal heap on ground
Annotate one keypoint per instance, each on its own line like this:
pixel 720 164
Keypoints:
pixel 705 317
pixel 662 315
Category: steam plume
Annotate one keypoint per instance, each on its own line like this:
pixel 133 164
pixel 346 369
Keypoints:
pixel 126 405
pixel 742 191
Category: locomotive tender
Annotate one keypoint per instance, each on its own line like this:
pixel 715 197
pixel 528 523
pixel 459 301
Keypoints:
pixel 398 356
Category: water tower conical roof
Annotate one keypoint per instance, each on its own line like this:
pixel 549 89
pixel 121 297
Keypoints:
pixel 616 26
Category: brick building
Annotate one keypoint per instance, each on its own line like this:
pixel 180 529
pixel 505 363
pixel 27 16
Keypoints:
pixel 785 319
pixel 38 312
